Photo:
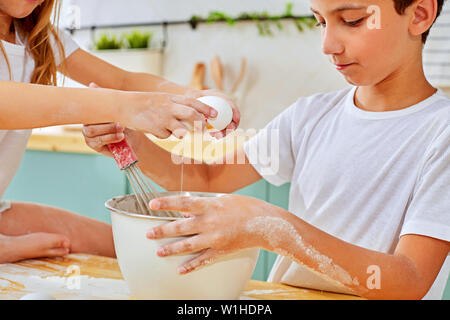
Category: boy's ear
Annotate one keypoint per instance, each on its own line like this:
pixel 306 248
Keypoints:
pixel 423 14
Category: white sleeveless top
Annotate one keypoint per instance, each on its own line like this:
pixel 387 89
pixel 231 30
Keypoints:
pixel 13 142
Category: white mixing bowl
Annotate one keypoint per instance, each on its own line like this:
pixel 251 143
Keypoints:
pixel 152 277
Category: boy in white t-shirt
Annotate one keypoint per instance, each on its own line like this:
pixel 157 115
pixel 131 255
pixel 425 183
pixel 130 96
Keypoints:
pixel 369 166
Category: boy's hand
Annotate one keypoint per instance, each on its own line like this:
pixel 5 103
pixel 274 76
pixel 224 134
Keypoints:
pixel 98 136
pixel 214 226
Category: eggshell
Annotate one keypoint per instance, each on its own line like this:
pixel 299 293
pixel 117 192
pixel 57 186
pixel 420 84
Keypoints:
pixel 223 108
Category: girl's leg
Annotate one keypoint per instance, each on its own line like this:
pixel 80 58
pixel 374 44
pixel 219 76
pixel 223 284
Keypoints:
pixel 86 235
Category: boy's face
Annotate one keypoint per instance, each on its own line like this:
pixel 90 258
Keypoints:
pixel 367 39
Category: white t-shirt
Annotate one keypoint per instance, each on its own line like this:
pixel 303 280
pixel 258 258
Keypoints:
pixel 364 177
pixel 13 142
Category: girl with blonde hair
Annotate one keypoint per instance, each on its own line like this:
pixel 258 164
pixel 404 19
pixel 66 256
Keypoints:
pixel 33 50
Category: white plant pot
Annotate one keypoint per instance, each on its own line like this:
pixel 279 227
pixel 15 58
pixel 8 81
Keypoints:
pixel 135 60
pixel 152 277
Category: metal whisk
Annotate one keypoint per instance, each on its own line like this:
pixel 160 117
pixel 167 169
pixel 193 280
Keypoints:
pixel 126 160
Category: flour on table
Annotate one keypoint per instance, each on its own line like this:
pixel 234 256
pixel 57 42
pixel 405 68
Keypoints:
pixel 81 287
pixel 262 291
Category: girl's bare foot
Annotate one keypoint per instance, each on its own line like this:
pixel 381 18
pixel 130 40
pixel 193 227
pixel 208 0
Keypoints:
pixel 85 235
pixel 33 245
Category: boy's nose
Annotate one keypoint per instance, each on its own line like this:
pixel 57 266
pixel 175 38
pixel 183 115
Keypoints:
pixel 331 44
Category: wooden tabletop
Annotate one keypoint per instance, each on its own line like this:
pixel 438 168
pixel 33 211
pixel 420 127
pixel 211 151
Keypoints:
pixel 82 276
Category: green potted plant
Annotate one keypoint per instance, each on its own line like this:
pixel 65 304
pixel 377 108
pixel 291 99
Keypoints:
pixel 137 39
pixel 131 51
pixel 107 41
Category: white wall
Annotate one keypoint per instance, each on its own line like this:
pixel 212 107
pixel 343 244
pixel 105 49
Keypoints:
pixel 121 11
pixel 280 69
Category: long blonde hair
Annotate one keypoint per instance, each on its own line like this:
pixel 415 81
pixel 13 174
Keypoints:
pixel 37 28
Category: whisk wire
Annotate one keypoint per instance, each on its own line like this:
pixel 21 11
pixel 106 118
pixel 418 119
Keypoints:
pixel 141 202
pixel 145 192
pixel 126 160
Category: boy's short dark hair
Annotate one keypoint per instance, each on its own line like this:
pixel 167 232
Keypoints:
pixel 401 5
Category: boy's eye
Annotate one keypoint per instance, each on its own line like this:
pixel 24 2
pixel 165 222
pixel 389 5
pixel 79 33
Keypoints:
pixel 354 23
pixel 321 24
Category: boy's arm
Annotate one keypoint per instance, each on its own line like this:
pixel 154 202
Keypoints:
pixel 408 273
pixel 158 165
pixel 236 222
pixel 154 161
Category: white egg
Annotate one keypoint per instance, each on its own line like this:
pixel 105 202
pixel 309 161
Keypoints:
pixel 223 108
pixel 37 296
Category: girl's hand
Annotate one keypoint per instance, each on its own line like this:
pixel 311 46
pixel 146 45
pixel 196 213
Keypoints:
pixel 216 226
pixel 162 114
pixel 236 114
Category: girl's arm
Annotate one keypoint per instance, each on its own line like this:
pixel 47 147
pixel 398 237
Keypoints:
pixel 26 106
pixel 86 68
